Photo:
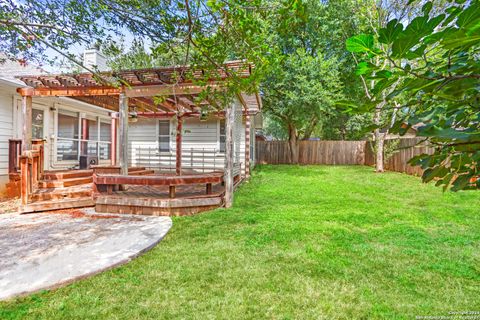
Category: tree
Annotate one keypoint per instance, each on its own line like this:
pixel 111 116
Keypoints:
pixel 298 94
pixel 209 32
pixel 433 62
pixel 298 91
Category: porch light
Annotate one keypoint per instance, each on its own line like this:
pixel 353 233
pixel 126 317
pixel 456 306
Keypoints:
pixel 203 114
pixel 133 116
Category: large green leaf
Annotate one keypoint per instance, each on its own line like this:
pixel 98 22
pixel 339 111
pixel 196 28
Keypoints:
pixel 363 68
pixel 461 40
pixel 470 16
pixel 388 34
pixel 419 28
pixel 360 43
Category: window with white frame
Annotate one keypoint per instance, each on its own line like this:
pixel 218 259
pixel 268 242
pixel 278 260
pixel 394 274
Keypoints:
pixel 37 123
pixel 82 135
pixel 68 135
pixel 164 135
pixel 222 136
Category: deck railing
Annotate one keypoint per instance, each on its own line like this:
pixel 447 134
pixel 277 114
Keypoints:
pixel 195 159
pixel 31 168
pixel 14 153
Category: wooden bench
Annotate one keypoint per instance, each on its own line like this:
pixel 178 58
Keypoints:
pixel 111 181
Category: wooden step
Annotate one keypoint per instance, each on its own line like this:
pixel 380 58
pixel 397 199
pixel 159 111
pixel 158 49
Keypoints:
pixel 135 169
pixel 70 174
pixel 65 182
pixel 61 193
pixel 56 205
pixel 141 172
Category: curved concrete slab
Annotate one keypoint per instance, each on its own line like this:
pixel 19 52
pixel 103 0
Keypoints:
pixel 46 250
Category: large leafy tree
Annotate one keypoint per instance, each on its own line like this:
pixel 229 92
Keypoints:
pixel 308 67
pixel 433 63
pixel 209 32
pixel 298 92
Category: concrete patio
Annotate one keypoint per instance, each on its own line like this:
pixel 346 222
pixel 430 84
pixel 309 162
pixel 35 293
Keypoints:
pixel 41 251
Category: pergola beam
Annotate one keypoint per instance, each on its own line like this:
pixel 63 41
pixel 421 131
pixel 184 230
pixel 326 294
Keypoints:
pixel 162 90
pixel 69 91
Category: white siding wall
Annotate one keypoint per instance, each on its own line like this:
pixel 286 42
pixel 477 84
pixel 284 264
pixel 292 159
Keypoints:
pixel 6 129
pixel 11 123
pixel 198 136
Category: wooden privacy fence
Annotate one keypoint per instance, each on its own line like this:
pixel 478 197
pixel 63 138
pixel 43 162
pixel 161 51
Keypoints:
pixel 312 152
pixel 404 151
pixel 343 153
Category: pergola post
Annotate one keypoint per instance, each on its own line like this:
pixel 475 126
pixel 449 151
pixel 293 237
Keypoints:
pixel 27 123
pixel 123 133
pixel 85 133
pixel 178 158
pixel 113 139
pixel 247 145
pixel 228 177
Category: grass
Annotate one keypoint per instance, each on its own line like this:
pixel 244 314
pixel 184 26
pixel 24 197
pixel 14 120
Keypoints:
pixel 301 242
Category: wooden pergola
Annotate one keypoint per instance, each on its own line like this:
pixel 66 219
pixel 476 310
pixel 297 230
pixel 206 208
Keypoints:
pixel 154 93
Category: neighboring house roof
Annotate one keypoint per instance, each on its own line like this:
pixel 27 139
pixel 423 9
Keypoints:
pixel 10 70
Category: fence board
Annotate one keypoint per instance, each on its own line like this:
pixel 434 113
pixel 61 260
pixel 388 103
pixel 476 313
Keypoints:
pixel 407 149
pixel 312 152
pixel 342 153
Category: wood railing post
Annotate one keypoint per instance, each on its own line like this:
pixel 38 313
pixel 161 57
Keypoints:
pixel 178 162
pixel 34 173
pixel 24 180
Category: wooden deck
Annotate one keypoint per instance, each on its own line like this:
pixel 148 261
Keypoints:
pixel 162 194
pixel 155 200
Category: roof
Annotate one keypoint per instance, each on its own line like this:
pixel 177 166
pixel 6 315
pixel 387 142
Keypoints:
pixel 178 87
pixel 11 69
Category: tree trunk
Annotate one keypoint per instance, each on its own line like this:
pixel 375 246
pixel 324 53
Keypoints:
pixel 379 147
pixel 379 139
pixel 292 141
pixel 311 126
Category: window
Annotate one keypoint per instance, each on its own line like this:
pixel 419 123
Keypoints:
pixel 222 135
pixel 37 124
pixel 104 147
pixel 164 135
pixel 86 135
pixel 89 137
pixel 68 137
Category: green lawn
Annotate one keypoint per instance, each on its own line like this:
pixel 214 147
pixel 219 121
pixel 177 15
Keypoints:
pixel 301 242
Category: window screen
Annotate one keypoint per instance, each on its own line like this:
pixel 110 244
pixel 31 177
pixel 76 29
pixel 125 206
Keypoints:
pixel 222 135
pixel 164 135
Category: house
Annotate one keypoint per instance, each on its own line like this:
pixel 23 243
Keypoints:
pixel 79 119
pixel 56 120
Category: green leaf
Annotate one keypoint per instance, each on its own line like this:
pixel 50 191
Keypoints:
pixel 470 16
pixel 360 43
pixel 419 27
pixel 461 182
pixel 388 34
pixel 461 41
pixel 427 7
pixel 383 74
pixel 362 68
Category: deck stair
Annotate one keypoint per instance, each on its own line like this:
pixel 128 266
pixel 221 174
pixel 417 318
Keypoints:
pixel 66 189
